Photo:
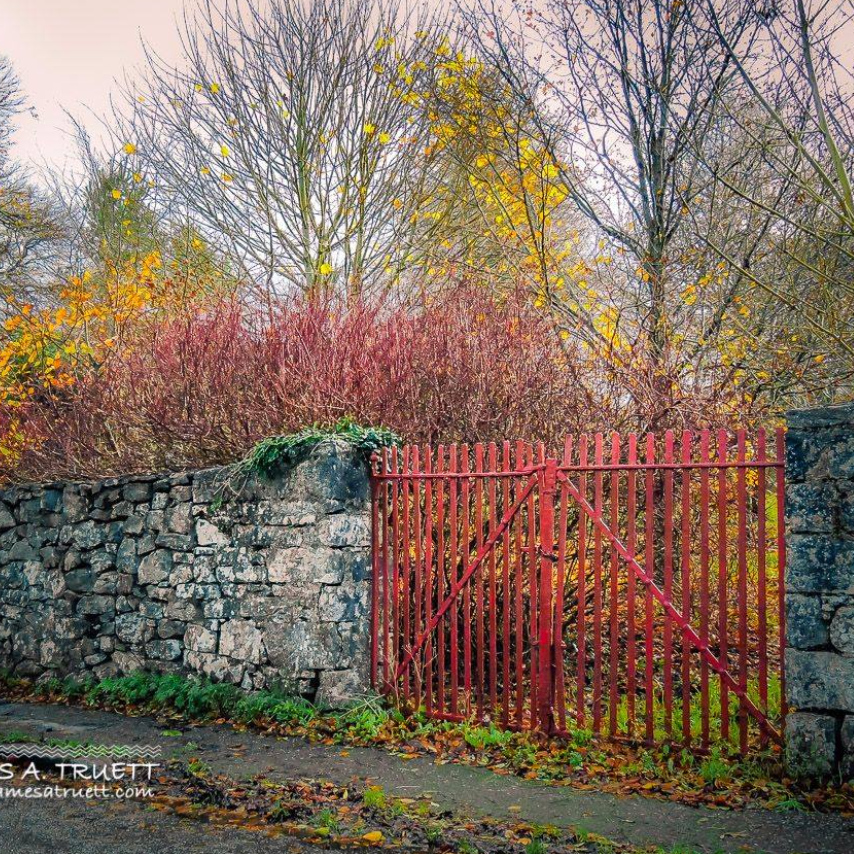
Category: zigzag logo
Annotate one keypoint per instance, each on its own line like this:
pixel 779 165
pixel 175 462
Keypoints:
pixel 90 751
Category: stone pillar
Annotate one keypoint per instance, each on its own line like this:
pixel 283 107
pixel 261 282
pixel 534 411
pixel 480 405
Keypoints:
pixel 820 591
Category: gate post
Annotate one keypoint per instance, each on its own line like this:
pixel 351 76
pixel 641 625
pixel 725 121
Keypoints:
pixel 544 699
pixel 819 588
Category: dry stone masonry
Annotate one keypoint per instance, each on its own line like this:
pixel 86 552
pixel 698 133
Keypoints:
pixel 820 591
pixel 260 583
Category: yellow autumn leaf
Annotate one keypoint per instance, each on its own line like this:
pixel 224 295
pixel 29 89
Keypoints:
pixel 214 88
pixel 137 177
pixel 369 129
pixel 325 268
pixel 117 194
pixel 223 150
pixel 227 178
pixel 375 837
pixel 129 148
pixel 384 138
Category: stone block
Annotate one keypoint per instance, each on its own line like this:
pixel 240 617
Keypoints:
pixel 334 475
pixel 241 570
pixel 241 639
pixel 126 560
pixel 840 458
pixel 134 629
pixel 217 667
pixel 180 574
pixel 820 680
pixel 155 567
pixel 842 630
pixel 181 494
pixel 73 504
pixel 171 629
pixel 102 561
pixel 837 415
pixel 100 606
pixel 178 519
pixel 819 564
pixel 164 650
pixel 88 535
pixel 297 645
pixel 342 603
pixel 846 509
pixel 810 745
pixel 128 662
pixel 291 566
pixel 806 627
pixel 338 688
pixel 206 486
pixel 208 534
pixel 200 639
pixel 134 525
pixel 177 609
pixel 80 580
pixel 344 529
pixel 106 582
pixel 220 609
pixel 176 542
pixel 22 551
pixel 811 507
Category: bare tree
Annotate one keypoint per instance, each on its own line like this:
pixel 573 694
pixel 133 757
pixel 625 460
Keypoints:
pixel 621 93
pixel 800 127
pixel 28 230
pixel 291 137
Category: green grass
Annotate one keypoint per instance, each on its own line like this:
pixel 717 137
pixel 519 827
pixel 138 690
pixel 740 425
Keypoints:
pixel 195 698
pixel 198 768
pixel 374 798
pixel 16 737
pixel 480 737
pixel 695 709
pixel 327 820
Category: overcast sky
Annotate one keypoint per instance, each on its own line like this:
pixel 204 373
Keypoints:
pixel 68 53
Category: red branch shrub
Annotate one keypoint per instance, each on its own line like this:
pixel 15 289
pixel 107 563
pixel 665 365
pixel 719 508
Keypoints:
pixel 202 389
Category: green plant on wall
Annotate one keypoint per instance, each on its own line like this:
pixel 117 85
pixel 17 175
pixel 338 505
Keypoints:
pixel 277 452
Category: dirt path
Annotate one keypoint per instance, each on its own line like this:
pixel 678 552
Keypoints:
pixel 474 791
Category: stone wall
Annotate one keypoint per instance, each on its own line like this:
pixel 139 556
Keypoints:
pixel 258 583
pixel 820 591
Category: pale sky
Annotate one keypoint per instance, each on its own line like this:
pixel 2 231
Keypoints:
pixel 68 53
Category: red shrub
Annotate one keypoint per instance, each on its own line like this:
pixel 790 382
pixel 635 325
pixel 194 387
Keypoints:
pixel 201 390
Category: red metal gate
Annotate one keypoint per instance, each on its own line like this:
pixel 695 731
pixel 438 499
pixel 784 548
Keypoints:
pixel 630 587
